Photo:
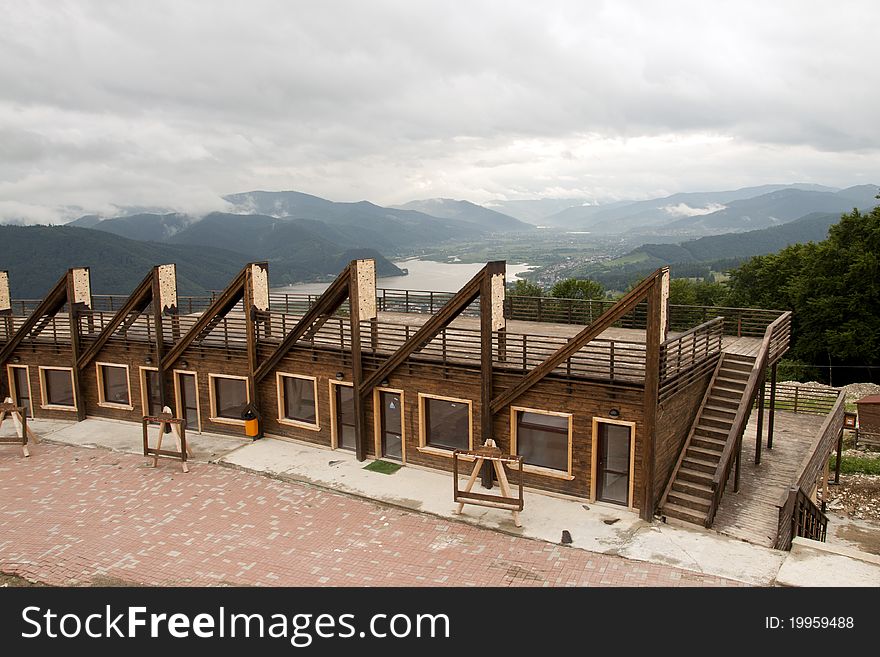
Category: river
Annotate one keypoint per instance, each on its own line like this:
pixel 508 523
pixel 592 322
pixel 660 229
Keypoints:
pixel 423 275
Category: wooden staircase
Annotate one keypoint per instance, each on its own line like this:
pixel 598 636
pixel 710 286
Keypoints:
pixel 688 496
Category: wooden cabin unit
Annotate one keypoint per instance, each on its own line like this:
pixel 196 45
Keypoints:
pixel 635 403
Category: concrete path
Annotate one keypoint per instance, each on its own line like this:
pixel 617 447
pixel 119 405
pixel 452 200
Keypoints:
pixel 596 529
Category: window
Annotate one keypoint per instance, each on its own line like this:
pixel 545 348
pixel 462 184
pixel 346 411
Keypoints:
pixel 543 439
pixel 229 397
pixel 297 400
pixel 113 388
pixel 151 396
pixel 57 388
pixel 445 423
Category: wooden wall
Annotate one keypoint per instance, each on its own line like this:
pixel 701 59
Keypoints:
pixel 674 419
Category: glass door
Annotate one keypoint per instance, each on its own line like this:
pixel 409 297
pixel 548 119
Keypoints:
pixel 189 400
pixel 612 471
pixel 22 389
pixel 391 425
pixel 346 437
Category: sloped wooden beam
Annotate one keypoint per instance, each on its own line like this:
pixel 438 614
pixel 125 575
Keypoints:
pixel 333 297
pixel 554 360
pixel 136 302
pixel 221 306
pixel 429 330
pixel 49 306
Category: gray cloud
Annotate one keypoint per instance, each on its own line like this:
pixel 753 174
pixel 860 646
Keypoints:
pixel 174 103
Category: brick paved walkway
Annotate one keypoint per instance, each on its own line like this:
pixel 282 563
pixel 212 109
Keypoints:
pixel 71 515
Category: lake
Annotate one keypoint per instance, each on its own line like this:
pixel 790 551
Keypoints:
pixel 423 275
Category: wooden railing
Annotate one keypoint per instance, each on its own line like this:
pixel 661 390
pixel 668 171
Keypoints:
pixel 688 356
pixel 733 445
pixel 816 400
pixel 799 516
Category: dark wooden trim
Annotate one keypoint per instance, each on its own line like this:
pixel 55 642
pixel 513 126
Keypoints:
pixel 772 417
pixel 50 305
pixel 361 428
pixel 759 432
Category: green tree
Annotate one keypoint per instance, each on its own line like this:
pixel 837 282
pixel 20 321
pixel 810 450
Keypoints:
pixel 524 288
pixel 574 288
pixel 833 289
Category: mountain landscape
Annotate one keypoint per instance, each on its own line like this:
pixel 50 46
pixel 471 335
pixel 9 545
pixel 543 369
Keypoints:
pixel 308 238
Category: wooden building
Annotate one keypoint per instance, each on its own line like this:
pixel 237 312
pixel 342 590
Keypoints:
pixel 635 403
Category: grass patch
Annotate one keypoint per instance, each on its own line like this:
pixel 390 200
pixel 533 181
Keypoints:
pixel 857 464
pixel 383 467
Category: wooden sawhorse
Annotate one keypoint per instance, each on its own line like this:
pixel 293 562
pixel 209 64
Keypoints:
pixel 19 419
pixel 177 427
pixel 489 452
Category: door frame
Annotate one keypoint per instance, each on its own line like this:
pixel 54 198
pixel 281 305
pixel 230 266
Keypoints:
pixel 377 421
pixel 177 400
pixel 595 457
pixel 334 436
pixel 13 388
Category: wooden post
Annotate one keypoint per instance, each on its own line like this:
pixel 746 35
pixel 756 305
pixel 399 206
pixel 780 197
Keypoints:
pixel 759 434
pixel 78 295
pixel 839 453
pixel 654 330
pixel 362 300
pixel 164 295
pixel 485 370
pixel 772 416
pixel 254 300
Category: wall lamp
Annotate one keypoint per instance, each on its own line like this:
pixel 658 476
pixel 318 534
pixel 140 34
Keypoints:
pixel 339 376
pixel 148 360
pixel 614 413
pixel 383 382
pixel 16 359
pixel 184 364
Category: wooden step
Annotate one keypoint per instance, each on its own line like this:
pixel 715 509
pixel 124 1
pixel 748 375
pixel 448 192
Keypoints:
pixel 740 377
pixel 738 365
pixel 728 403
pixel 707 442
pixel 726 392
pixel 734 384
pixel 741 358
pixel 705 453
pixel 694 502
pixel 712 432
pixel 683 513
pixel 699 465
pixel 696 476
pixel 716 422
pixel 728 411
pixel 692 488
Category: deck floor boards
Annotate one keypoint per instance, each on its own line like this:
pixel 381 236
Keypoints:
pixel 752 514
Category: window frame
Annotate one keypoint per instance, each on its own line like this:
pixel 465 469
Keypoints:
pixel 280 390
pixel 13 390
pixel 44 403
pixel 424 447
pixel 539 469
pixel 212 397
pixel 102 401
pixel 594 448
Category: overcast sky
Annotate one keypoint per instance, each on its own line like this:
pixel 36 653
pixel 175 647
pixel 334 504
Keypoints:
pixel 172 104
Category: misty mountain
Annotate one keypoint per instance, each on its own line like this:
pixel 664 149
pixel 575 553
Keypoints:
pixel 372 225
pixel 777 207
pixel 37 256
pixel 534 211
pixel 446 208
pixel 639 215
pixel 810 228
pixel 295 249
pixel 146 227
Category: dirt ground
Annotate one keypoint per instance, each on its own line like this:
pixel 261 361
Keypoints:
pixel 854 512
